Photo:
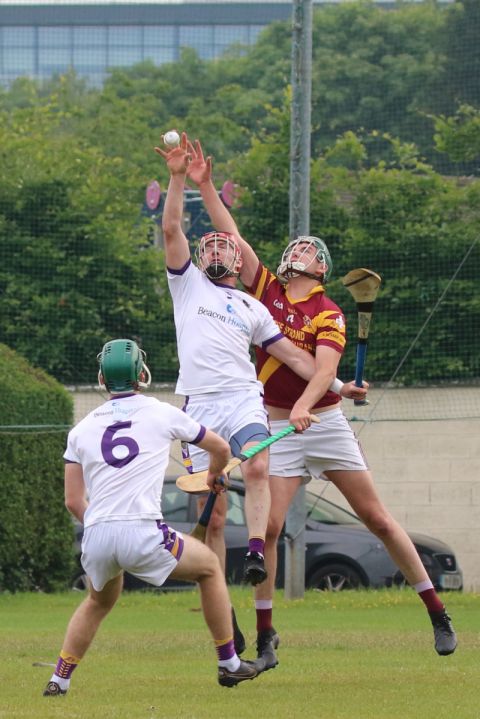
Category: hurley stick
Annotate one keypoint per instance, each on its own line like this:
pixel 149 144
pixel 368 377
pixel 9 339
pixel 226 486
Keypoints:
pixel 196 483
pixel 363 285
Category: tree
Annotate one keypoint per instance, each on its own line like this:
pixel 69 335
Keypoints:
pixel 79 267
pixel 403 220
pixel 459 135
pixel 458 80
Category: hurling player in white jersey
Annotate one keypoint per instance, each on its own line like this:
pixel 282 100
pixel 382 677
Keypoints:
pixel 117 457
pixel 216 323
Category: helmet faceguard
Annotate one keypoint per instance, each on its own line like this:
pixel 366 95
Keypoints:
pixel 226 258
pixel 122 363
pixel 289 267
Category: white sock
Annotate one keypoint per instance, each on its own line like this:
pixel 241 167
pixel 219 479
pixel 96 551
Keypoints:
pixel 263 603
pixel 62 683
pixel 423 586
pixel 231 664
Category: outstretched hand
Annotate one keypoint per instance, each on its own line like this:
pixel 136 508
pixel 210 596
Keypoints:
pixel 177 158
pixel 200 168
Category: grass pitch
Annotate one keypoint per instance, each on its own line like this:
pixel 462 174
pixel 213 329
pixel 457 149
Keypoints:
pixel 351 655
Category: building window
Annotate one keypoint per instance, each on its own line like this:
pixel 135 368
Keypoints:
pixel 125 36
pixel 253 32
pixel 89 36
pixel 162 35
pixel 45 50
pixel 52 61
pixel 159 55
pixel 124 56
pixel 199 37
pixel 89 59
pixel 18 61
pixel 18 36
pixel 55 37
pixel 225 35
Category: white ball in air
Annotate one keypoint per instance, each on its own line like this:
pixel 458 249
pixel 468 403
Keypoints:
pixel 171 138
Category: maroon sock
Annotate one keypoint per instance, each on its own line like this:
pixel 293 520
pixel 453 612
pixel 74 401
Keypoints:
pixel 431 600
pixel 256 544
pixel 264 619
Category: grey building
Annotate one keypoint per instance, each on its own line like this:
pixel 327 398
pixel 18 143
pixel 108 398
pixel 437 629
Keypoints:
pixel 41 39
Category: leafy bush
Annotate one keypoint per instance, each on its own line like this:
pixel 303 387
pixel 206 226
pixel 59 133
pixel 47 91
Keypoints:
pixel 36 532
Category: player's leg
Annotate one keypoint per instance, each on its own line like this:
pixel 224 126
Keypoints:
pixel 282 490
pixel 215 537
pixel 199 564
pixel 287 470
pixel 359 490
pixel 257 509
pixel 331 448
pixel 80 633
pixel 210 413
pixel 248 426
pixel 196 459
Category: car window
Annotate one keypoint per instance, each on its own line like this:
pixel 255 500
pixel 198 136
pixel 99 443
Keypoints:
pixel 321 510
pixel 174 504
pixel 235 513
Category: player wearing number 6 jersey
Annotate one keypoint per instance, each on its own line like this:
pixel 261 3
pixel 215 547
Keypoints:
pixel 297 300
pixel 117 457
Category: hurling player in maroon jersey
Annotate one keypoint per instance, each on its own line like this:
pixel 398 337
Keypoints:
pixel 296 297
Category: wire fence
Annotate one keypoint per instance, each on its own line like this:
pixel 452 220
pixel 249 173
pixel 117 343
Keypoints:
pixel 81 192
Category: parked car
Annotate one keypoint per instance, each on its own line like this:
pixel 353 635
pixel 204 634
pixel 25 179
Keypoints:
pixel 341 553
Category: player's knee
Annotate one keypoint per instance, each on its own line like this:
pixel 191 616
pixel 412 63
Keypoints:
pixel 216 525
pixel 274 529
pixel 101 604
pixel 381 524
pixel 256 470
pixel 208 567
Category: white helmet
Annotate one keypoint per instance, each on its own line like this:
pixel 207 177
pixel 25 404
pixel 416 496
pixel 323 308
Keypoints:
pixel 230 266
pixel 288 268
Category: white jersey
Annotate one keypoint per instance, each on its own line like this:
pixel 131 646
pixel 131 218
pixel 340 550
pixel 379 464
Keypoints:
pixel 123 447
pixel 215 325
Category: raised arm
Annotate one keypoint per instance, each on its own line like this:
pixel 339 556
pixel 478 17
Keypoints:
pixel 200 173
pixel 177 250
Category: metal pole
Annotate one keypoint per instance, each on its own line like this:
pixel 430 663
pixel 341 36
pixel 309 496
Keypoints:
pixel 300 118
pixel 299 225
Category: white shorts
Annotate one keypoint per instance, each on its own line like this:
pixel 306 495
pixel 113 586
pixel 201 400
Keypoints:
pixel 225 413
pixel 147 548
pixel 328 445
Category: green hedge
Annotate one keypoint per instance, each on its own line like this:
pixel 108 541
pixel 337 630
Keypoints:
pixel 36 531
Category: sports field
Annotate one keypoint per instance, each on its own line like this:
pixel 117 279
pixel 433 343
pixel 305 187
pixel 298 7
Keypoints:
pixel 354 655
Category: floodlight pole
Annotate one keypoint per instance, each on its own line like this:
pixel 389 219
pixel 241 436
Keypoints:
pixel 300 121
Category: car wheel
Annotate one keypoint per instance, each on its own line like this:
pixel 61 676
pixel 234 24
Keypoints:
pixel 334 578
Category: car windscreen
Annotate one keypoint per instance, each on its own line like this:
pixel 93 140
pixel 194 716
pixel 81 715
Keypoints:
pixel 174 504
pixel 321 510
